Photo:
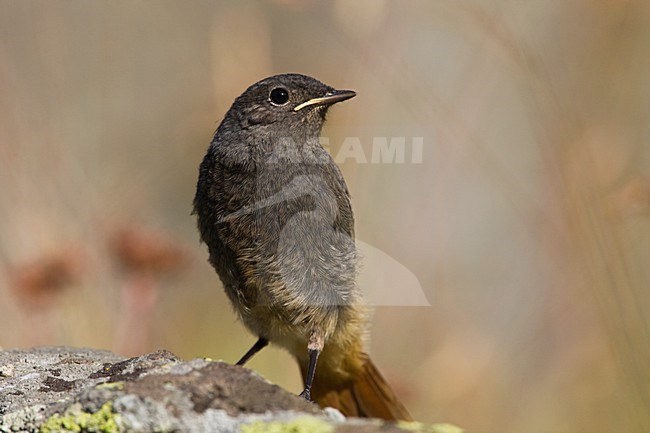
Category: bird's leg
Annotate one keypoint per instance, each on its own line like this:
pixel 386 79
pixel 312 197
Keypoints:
pixel 314 347
pixel 259 345
pixel 313 357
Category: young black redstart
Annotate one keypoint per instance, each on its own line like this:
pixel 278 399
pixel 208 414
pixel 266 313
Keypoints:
pixel 275 212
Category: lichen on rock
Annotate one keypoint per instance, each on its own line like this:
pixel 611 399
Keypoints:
pixel 62 389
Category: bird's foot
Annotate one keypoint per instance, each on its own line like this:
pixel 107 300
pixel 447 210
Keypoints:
pixel 306 394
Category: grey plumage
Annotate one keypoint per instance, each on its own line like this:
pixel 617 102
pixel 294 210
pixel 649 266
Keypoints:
pixel 275 212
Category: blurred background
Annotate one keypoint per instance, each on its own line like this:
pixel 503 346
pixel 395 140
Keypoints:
pixel 526 222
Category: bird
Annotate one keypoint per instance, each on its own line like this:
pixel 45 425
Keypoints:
pixel 275 213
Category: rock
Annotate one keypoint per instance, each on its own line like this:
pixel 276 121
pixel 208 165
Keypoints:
pixel 63 389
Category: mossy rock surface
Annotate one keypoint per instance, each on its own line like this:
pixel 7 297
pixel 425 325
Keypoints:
pixel 62 389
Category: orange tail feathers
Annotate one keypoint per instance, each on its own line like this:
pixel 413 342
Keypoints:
pixel 366 395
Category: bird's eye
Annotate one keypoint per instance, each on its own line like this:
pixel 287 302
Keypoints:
pixel 279 96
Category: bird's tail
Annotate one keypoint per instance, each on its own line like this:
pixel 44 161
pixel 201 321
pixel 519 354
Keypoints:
pixel 366 394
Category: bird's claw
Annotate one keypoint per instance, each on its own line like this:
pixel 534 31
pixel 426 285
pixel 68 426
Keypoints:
pixel 306 394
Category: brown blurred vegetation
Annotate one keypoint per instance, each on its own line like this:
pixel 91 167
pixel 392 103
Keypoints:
pixel 526 223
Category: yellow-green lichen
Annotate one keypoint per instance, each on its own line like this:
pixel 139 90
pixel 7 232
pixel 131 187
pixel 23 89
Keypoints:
pixel 76 420
pixel 298 425
pixel 414 426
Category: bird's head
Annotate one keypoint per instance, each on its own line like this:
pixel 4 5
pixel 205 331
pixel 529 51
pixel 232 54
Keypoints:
pixel 291 102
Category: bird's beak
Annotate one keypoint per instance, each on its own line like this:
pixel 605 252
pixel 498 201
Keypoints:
pixel 330 98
